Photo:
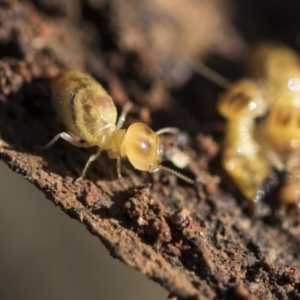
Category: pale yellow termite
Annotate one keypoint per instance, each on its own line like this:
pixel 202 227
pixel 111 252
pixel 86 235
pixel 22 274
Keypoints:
pixel 280 72
pixel 242 156
pixel 279 68
pixel 88 112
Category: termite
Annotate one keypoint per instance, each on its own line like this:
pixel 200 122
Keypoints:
pixel 242 156
pixel 88 112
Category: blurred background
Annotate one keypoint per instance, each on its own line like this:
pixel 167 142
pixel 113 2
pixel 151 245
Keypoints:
pixel 46 255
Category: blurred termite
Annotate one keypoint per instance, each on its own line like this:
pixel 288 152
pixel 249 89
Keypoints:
pixel 250 151
pixel 279 68
pixel 242 156
pixel 89 113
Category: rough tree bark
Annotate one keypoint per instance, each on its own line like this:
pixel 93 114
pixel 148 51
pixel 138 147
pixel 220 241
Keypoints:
pixel 197 241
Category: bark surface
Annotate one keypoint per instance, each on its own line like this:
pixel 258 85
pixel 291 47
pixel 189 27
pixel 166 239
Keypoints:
pixel 199 242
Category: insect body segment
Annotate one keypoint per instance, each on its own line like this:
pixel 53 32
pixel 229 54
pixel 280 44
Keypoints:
pixel 87 111
pixel 290 192
pixel 143 148
pixel 242 158
pixel 280 70
pixel 84 107
pixel 268 60
pixel 283 123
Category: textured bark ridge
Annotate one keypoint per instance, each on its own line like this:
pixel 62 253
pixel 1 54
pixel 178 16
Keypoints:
pixel 199 242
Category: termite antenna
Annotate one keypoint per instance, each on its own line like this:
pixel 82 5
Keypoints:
pixel 210 74
pixel 179 175
pixel 170 130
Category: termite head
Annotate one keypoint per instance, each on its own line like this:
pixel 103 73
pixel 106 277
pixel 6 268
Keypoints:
pixel 143 148
pixel 283 129
pixel 269 60
pixel 243 99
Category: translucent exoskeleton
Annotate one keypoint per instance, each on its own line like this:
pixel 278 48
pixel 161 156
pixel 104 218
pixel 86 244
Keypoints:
pixel 88 112
pixel 242 156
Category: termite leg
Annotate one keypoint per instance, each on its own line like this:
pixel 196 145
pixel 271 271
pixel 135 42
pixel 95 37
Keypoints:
pixel 90 160
pixel 67 138
pixel 119 169
pixel 122 118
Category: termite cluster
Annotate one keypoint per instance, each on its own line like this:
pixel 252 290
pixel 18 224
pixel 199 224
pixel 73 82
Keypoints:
pixel 253 151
